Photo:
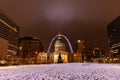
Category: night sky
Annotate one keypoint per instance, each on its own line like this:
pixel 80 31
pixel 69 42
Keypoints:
pixel 77 19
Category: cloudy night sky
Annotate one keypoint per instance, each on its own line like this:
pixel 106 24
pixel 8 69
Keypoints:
pixel 77 19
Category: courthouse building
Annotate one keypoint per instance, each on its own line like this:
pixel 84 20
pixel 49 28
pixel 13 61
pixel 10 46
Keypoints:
pixel 60 54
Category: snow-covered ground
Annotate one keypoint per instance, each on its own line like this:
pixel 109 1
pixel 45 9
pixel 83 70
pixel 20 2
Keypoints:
pixel 68 71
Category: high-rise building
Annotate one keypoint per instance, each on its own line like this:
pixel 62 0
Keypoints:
pixel 9 32
pixel 29 47
pixel 79 46
pixel 114 37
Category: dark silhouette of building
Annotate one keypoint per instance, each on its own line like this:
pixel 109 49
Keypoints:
pixel 29 47
pixel 79 46
pixel 114 37
pixel 9 33
pixel 98 53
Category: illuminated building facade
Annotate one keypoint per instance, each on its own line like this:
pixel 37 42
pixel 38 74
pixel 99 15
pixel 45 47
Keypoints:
pixel 60 50
pixel 42 58
pixel 9 32
pixel 114 37
pixel 60 53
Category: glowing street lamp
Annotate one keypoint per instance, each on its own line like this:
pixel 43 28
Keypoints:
pixel 79 41
pixel 36 53
pixel 20 47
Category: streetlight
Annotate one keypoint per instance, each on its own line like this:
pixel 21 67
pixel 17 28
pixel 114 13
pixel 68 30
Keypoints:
pixel 36 56
pixel 20 47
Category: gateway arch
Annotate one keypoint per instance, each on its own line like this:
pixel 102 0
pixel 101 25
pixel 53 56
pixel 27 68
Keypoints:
pixel 68 42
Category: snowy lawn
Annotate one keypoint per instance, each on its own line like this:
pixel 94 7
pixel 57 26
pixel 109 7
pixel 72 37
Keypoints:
pixel 69 71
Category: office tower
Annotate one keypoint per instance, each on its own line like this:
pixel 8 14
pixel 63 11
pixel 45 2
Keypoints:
pixel 9 32
pixel 114 37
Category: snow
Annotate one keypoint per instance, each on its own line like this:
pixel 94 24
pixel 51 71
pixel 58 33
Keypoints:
pixel 66 71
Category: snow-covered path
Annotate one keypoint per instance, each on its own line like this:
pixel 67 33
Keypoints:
pixel 69 71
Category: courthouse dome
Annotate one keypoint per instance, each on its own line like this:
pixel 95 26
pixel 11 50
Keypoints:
pixel 60 44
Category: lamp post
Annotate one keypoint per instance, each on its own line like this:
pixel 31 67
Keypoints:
pixel 20 48
pixel 20 54
pixel 35 57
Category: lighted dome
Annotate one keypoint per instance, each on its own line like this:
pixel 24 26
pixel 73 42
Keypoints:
pixel 59 40
pixel 59 44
